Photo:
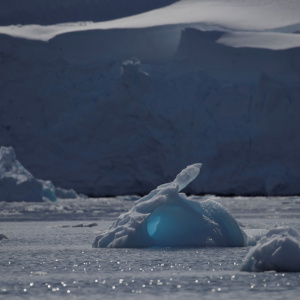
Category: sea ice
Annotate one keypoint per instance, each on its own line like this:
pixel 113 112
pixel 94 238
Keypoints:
pixel 166 218
pixel 278 251
pixel 18 184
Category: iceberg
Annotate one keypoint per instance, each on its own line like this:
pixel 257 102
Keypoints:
pixel 167 218
pixel 18 184
pixel 278 251
pixel 3 236
pixel 66 193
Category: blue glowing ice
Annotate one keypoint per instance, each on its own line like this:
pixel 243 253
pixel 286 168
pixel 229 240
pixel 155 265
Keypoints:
pixel 166 218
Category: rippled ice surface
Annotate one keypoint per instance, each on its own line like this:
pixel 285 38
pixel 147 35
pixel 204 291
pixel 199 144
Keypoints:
pixel 42 260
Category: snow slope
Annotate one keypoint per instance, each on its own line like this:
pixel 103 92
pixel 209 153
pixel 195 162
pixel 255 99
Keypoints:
pixel 249 15
pixel 46 12
pixel 117 107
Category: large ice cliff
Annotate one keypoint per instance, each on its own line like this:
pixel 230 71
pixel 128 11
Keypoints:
pixel 117 111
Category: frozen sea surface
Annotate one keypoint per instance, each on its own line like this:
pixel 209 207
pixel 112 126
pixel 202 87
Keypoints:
pixel 42 259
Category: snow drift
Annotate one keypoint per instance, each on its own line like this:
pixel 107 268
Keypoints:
pixel 278 251
pixel 121 105
pixel 166 218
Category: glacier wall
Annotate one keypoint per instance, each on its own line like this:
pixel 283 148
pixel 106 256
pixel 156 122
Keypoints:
pixel 111 112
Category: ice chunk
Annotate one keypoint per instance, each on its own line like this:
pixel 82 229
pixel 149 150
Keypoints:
pixel 166 218
pixel 65 194
pixel 187 175
pixel 86 225
pixel 18 184
pixel 3 236
pixel 279 251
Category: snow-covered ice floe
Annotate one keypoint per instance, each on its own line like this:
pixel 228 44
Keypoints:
pixel 166 218
pixel 278 251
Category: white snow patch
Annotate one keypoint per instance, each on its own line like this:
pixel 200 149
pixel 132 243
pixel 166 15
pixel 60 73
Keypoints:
pixel 231 14
pixel 264 40
pixel 47 12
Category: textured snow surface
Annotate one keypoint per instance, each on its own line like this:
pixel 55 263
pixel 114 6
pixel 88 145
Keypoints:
pixel 278 251
pixel 165 218
pixel 116 107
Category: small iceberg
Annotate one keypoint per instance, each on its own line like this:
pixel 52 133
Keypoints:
pixel 18 184
pixel 66 194
pixel 166 218
pixel 278 251
pixel 3 236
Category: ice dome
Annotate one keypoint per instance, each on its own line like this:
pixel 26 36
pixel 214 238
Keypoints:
pixel 278 251
pixel 166 218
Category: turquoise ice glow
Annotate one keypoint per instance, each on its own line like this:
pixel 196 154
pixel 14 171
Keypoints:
pixel 166 218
